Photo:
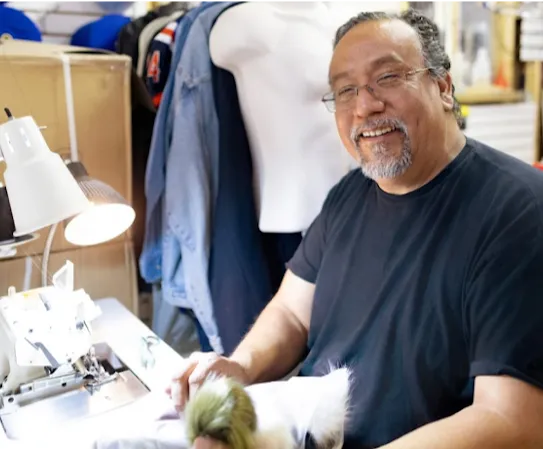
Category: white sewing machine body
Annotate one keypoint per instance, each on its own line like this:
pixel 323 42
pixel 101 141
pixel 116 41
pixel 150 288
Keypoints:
pixel 50 370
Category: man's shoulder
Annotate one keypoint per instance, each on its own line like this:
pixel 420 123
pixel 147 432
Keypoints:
pixel 508 190
pixel 505 174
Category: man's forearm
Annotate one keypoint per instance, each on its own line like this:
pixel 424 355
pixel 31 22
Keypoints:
pixel 474 427
pixel 274 346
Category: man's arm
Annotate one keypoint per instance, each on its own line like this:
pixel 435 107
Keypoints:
pixel 277 342
pixel 506 413
pixel 503 318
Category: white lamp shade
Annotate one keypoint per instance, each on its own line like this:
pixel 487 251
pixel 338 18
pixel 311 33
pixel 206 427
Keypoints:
pixel 99 223
pixel 41 189
pixel 108 216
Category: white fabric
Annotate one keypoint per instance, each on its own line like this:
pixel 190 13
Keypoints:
pixel 147 423
pixel 286 412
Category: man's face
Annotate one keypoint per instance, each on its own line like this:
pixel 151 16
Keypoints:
pixel 384 130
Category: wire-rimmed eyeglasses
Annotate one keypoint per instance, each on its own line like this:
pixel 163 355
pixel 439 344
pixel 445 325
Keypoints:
pixel 344 97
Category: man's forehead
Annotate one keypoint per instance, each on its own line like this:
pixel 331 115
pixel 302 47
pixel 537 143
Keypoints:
pixel 375 43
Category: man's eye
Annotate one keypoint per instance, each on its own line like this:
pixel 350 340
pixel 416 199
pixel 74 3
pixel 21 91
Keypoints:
pixel 388 79
pixel 345 93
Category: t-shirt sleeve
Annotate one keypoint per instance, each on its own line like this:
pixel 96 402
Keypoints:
pixel 306 261
pixel 504 300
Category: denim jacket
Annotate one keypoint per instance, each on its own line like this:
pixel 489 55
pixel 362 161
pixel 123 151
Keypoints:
pixel 156 232
pixel 191 178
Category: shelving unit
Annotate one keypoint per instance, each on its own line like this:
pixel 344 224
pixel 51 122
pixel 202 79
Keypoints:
pixel 517 85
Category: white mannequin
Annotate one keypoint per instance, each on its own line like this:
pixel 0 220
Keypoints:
pixel 279 54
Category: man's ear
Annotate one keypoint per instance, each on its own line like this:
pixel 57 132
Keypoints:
pixel 446 91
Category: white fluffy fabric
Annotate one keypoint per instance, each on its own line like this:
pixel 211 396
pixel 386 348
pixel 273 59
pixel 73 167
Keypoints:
pixel 287 411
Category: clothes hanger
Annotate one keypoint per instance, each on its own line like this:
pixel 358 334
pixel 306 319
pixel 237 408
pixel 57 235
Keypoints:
pixel 173 6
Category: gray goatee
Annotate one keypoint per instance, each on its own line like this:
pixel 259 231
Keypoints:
pixel 383 164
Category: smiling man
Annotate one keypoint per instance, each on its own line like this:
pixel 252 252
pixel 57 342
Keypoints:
pixel 424 270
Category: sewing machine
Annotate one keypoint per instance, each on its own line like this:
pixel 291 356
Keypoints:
pixel 63 381
pixel 51 370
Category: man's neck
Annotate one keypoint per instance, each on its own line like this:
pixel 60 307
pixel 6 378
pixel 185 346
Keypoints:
pixel 427 168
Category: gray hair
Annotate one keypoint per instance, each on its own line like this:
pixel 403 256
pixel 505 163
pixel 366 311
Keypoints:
pixel 433 52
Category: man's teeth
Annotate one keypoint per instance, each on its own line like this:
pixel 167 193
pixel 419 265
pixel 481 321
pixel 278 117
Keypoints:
pixel 378 132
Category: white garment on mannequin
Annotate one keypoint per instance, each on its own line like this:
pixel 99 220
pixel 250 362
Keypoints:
pixel 279 54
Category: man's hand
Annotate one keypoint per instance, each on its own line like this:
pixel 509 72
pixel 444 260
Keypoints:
pixel 208 443
pixel 195 370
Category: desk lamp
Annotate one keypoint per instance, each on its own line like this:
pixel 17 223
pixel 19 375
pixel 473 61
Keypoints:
pixel 108 217
pixel 41 189
pixel 44 191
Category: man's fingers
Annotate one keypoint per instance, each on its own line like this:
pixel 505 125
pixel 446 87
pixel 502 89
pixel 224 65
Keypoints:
pixel 185 390
pixel 199 374
pixel 186 364
pixel 208 443
pixel 192 374
pixel 200 371
pixel 180 389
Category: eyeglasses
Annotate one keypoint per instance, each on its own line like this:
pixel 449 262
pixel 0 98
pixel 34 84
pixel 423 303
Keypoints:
pixel 345 97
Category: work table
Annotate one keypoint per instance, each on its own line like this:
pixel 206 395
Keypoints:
pixel 125 334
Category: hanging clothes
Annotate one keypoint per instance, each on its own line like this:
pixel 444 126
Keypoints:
pixel 148 34
pixel 157 235
pixel 246 266
pixel 127 42
pixel 177 329
pixel 192 186
pixel 202 242
pixel 173 249
pixel 159 61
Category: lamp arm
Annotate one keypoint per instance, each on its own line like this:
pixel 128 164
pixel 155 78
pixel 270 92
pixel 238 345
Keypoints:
pixel 46 252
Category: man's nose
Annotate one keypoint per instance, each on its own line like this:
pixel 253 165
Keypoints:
pixel 367 103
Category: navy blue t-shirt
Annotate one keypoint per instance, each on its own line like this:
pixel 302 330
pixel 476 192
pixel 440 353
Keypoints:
pixel 420 293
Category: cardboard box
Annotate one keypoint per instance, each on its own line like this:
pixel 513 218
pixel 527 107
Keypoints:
pixel 107 270
pixel 32 80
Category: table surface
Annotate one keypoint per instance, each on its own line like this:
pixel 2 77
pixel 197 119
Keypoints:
pixel 123 331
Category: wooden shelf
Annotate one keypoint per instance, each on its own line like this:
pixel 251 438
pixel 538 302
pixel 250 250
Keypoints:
pixel 489 95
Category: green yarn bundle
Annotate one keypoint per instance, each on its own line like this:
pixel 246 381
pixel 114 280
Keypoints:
pixel 221 409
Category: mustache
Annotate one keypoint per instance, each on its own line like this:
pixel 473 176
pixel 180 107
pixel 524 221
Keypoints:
pixel 368 125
